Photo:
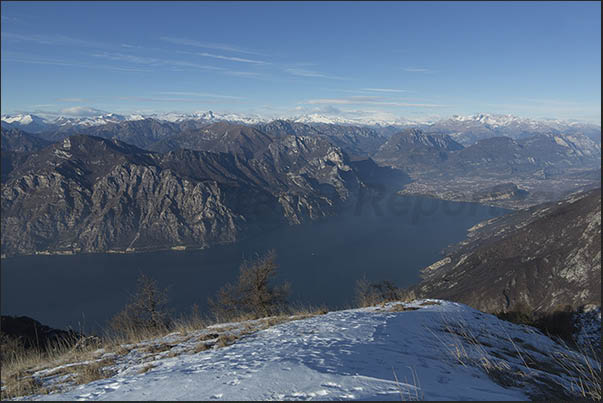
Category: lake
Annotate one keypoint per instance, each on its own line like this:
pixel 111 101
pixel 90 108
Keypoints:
pixel 322 260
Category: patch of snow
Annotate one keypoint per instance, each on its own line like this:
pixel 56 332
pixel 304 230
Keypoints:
pixel 390 352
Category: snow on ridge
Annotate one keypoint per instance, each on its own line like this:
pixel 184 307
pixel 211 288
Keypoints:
pixel 389 352
pixel 22 119
pixel 503 120
pixel 375 119
pixel 361 121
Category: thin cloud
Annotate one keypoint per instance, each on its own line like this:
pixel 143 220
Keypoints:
pixel 43 106
pixel 311 73
pixel 199 94
pixel 233 59
pixel 81 111
pixel 56 40
pixel 71 99
pixel 28 59
pixel 383 90
pixel 368 101
pixel 206 45
pixel 153 61
pixel 248 74
pixel 417 70
pixel 177 100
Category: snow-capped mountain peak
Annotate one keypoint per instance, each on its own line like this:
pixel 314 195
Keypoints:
pixel 23 119
pixel 355 120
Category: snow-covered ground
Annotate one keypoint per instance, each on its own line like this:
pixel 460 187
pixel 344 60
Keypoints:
pixel 424 350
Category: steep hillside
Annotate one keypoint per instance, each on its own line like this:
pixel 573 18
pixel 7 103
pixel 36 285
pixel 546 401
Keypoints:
pixel 542 260
pixel 16 146
pixel 217 137
pixel 20 141
pixel 92 195
pixel 141 133
pixel 415 151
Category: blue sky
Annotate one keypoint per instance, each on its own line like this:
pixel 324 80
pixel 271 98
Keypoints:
pixel 391 59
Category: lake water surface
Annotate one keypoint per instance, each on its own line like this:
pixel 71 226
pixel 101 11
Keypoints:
pixel 322 261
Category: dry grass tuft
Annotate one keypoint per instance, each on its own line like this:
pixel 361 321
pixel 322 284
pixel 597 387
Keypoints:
pixel 20 384
pixel 427 303
pixel 538 372
pixel 146 368
pixel 585 365
pixel 401 308
pixel 226 340
pixel 202 347
pixel 208 336
pixel 94 371
pixel 156 348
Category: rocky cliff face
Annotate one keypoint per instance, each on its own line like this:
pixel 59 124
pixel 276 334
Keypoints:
pixel 415 151
pixel 546 258
pixel 88 194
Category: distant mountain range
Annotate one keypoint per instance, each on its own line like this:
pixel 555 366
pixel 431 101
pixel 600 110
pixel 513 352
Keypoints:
pixel 544 154
pixel 463 129
pixel 469 129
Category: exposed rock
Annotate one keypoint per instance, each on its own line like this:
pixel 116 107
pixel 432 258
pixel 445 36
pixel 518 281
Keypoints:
pixel 546 258
pixel 88 194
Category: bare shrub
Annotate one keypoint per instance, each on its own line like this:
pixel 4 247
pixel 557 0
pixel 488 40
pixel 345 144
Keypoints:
pixel 369 294
pixel 145 313
pixel 560 323
pixel 94 371
pixel 10 348
pixel 253 294
pixel 585 367
pixel 226 340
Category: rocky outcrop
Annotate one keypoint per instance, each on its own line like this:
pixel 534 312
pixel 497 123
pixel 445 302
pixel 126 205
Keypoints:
pixel 88 194
pixel 546 258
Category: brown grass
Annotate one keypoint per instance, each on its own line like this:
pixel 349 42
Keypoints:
pixel 470 350
pixel 146 368
pixel 226 340
pixel 427 303
pixel 18 364
pixel 401 308
pixel 208 336
pixel 156 348
pixel 202 347
pixel 20 384
pixel 94 371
